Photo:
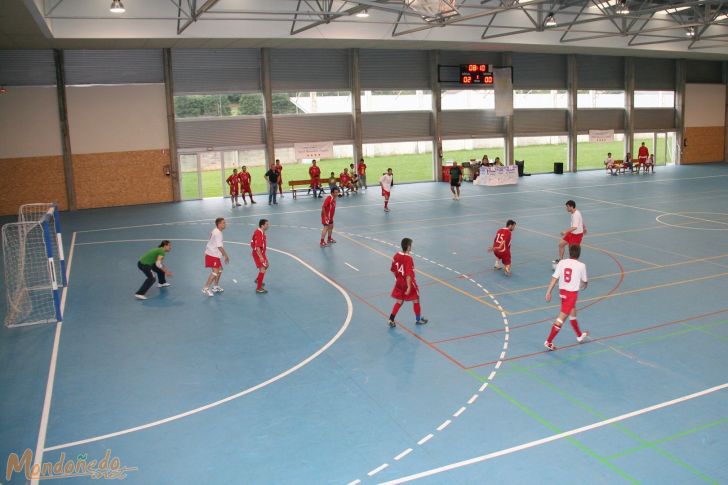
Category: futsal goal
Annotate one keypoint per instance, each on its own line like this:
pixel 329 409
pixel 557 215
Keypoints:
pixel 34 266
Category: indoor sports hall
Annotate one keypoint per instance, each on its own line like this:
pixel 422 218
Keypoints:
pixel 308 384
pixel 138 137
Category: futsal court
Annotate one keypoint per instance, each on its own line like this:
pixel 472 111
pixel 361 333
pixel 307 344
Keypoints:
pixel 308 384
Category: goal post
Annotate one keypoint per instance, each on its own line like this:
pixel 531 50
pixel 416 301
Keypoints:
pixel 48 210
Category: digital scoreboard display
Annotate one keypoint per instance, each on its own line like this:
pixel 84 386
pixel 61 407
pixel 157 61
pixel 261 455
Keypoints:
pixel 475 74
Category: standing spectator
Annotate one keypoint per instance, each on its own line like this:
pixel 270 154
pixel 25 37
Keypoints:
pixel 315 173
pixel 650 164
pixel 386 183
pixel 501 247
pixel 259 243
pixel 571 275
pixel 244 178
pixel 456 178
pixel 573 235
pixel 327 217
pixel 362 170
pixel 154 261
pixel 405 285
pixel 213 252
pixel 232 182
pixel 642 155
pixel 271 176
pixel 279 169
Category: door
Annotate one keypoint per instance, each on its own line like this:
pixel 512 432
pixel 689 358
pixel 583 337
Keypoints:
pixel 211 174
pixel 189 173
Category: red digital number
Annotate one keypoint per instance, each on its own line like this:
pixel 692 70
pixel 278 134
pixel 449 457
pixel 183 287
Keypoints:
pixel 467 80
pixel 488 80
pixel 483 67
pixel 567 275
pixel 472 68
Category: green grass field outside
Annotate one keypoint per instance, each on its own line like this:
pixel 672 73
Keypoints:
pixel 419 167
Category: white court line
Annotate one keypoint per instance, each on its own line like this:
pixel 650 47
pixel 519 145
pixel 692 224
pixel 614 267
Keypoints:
pixel 350 266
pixel 549 439
pixel 414 201
pixel 378 469
pixel 425 439
pixel 40 444
pixel 403 454
pixel 246 391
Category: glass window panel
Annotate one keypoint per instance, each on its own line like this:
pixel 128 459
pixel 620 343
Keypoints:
pixel 540 99
pixel 468 99
pixel 396 100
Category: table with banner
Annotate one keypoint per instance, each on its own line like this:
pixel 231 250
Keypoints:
pixel 497 176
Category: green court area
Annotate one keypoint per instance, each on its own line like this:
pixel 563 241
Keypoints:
pixel 419 167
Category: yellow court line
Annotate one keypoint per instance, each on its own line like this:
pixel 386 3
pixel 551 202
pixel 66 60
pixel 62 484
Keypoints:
pixel 435 278
pixel 611 275
pixel 628 292
pixel 593 247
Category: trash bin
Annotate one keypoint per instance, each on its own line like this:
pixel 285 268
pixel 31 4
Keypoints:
pixel 558 167
pixel 519 165
pixel 446 172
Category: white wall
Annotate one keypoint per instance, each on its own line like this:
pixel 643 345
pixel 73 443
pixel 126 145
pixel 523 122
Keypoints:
pixel 29 125
pixel 117 118
pixel 704 105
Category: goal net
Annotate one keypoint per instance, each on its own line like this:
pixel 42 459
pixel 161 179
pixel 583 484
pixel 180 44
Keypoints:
pixel 48 211
pixel 31 284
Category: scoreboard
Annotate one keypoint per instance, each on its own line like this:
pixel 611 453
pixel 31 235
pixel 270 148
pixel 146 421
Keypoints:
pixel 475 74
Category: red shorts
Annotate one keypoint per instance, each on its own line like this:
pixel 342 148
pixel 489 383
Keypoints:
pixel 568 300
pixel 323 222
pixel 259 262
pixel 212 262
pixel 315 182
pixel 385 194
pixel 246 189
pixel 400 288
pixel 505 256
pixel 573 239
pixel 233 191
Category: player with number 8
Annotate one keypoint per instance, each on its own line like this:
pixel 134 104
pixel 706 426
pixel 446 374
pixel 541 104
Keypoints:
pixel 571 276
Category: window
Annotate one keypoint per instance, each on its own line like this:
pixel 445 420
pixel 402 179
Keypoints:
pixel 218 105
pixel 311 102
pixel 472 149
pixel 654 99
pixel 411 161
pixel 540 152
pixel 600 99
pixel 538 99
pixel 592 155
pixel 398 100
pixel 468 99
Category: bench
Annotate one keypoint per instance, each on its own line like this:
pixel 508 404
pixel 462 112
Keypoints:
pixel 323 184
pixel 618 166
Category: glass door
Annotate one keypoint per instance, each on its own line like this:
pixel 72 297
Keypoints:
pixel 189 173
pixel 211 174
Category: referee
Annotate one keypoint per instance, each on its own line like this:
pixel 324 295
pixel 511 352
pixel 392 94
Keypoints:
pixel 152 261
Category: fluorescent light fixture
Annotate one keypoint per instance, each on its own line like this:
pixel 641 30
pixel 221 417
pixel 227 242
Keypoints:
pixel 117 7
pixel 690 32
pixel 622 8
pixel 673 10
pixel 550 21
pixel 362 14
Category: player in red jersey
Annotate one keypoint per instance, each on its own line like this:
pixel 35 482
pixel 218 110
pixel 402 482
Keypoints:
pixel 258 244
pixel 405 285
pixel 327 217
pixel 244 179
pixel 232 182
pixel 279 170
pixel 571 275
pixel 502 247
pixel 315 173
pixel 642 155
pixel 345 182
pixel 362 169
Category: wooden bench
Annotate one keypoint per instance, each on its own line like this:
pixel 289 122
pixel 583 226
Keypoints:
pixel 323 184
pixel 618 166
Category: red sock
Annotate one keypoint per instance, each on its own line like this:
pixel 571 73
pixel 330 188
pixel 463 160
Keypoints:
pixel 417 309
pixel 386 203
pixel 259 280
pixel 575 326
pixel 554 330
pixel 395 309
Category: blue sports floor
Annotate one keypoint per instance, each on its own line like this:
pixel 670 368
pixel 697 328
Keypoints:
pixel 308 385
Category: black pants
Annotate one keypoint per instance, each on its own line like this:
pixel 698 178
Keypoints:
pixel 147 270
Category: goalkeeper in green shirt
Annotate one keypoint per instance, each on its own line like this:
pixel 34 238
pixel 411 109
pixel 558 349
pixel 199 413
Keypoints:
pixel 154 261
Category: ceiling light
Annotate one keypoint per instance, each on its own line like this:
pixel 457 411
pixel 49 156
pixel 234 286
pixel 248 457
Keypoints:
pixel 622 8
pixel 117 7
pixel 362 14
pixel 690 32
pixel 550 21
pixel 673 10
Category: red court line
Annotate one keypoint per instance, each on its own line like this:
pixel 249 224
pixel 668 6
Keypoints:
pixel 513 327
pixel 608 337
pixel 399 325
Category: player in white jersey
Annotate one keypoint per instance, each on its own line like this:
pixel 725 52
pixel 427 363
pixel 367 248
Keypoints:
pixel 386 183
pixel 213 252
pixel 573 235
pixel 571 276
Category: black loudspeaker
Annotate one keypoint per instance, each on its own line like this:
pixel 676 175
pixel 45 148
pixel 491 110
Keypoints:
pixel 558 168
pixel 519 165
